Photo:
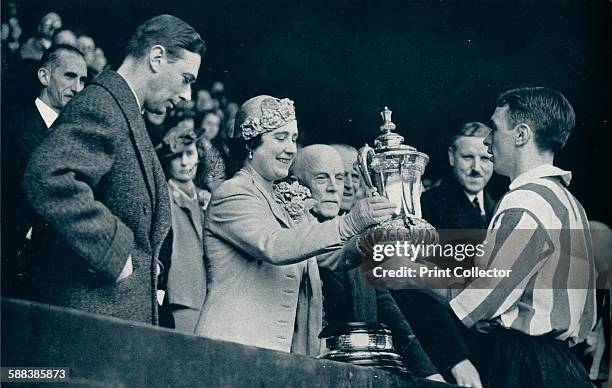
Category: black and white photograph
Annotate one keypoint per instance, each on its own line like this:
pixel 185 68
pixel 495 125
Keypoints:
pixel 235 193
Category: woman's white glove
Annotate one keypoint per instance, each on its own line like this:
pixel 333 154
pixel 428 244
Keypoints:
pixel 366 212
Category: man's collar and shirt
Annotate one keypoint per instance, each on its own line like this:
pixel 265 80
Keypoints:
pixel 134 93
pixel 448 206
pixel 46 112
pixel 543 171
pixel 478 201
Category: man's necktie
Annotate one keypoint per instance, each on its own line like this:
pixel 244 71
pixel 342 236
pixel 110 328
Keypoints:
pixel 476 204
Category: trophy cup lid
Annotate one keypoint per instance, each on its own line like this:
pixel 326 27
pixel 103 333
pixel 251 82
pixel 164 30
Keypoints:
pixel 389 140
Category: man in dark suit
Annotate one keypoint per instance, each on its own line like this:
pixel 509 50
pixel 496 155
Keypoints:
pixel 97 182
pixel 61 73
pixel 459 202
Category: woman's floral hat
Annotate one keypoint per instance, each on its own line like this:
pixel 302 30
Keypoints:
pixel 275 113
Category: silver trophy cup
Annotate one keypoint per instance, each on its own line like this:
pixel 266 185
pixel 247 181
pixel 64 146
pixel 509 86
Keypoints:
pixel 394 169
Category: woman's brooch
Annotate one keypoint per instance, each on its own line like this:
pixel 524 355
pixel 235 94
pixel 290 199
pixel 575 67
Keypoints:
pixel 293 197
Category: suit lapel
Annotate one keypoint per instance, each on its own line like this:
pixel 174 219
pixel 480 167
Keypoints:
pixel 276 208
pixel 489 206
pixel 463 208
pixel 280 213
pixel 314 277
pixel 162 217
pixel 153 174
pixel 198 225
pixel 489 203
pixel 181 201
pixel 35 130
pixel 119 89
pixel 463 205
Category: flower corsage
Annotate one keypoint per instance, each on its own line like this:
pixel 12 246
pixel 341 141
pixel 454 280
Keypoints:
pixel 293 198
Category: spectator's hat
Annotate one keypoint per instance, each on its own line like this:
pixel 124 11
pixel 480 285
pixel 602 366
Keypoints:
pixel 176 141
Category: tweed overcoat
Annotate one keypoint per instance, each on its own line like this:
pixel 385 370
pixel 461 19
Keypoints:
pixel 255 257
pixel 98 184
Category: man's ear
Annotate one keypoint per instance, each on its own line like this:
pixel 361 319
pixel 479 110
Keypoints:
pixel 523 134
pixel 43 76
pixel 451 156
pixel 157 56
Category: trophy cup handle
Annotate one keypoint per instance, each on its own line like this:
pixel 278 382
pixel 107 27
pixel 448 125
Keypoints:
pixel 366 153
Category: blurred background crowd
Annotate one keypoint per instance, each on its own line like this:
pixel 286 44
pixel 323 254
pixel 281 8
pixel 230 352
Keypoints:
pixel 437 65
pixel 210 113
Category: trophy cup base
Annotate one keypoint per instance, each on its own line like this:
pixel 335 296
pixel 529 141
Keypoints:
pixel 412 229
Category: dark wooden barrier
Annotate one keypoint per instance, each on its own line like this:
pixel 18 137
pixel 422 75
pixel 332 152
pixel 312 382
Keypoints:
pixel 103 351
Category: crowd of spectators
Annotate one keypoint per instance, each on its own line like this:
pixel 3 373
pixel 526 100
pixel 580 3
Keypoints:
pixel 22 51
pixel 212 118
pixel 210 112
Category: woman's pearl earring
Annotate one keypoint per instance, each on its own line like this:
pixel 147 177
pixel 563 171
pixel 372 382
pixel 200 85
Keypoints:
pixel 250 154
